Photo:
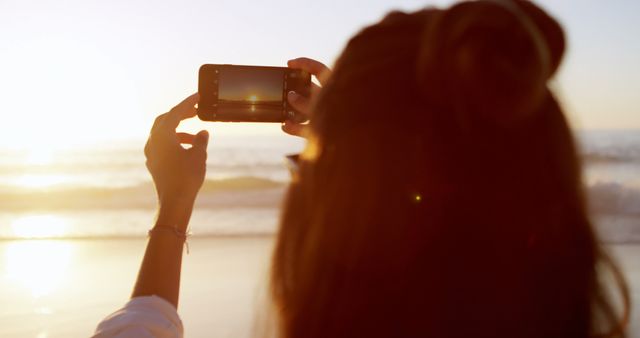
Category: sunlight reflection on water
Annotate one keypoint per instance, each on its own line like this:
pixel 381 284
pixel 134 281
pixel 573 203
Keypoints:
pixel 40 180
pixel 39 266
pixel 39 226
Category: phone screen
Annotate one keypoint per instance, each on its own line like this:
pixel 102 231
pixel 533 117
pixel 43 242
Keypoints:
pixel 233 93
pixel 250 86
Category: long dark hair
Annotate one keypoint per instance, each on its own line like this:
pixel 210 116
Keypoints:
pixel 440 194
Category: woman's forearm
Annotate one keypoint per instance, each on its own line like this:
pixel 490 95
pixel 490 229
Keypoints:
pixel 160 270
pixel 178 174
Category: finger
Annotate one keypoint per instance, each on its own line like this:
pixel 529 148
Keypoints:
pixel 184 110
pixel 185 138
pixel 299 103
pixel 302 103
pixel 201 140
pixel 312 66
pixel 158 121
pixel 315 89
pixel 293 128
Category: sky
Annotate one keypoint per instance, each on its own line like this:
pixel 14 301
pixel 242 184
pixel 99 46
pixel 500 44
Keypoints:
pixel 81 72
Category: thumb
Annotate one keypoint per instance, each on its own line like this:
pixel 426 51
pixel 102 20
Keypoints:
pixel 201 140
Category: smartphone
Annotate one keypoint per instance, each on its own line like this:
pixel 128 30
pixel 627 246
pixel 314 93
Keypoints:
pixel 232 93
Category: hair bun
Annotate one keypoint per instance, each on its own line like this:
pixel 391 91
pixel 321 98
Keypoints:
pixel 491 59
pixel 549 28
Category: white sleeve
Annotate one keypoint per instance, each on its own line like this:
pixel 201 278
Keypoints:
pixel 142 317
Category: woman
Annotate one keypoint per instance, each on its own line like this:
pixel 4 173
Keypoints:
pixel 439 194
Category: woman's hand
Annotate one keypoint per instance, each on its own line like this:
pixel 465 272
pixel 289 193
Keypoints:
pixel 300 103
pixel 178 173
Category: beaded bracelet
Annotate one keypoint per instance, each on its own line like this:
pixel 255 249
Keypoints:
pixel 183 235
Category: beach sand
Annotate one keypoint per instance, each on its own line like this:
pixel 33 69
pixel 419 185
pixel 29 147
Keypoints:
pixel 64 288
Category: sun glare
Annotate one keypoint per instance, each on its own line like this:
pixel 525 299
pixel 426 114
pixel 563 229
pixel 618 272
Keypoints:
pixel 253 98
pixel 39 156
pixel 39 226
pixel 39 266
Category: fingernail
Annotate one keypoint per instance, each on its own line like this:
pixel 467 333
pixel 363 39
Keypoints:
pixel 292 96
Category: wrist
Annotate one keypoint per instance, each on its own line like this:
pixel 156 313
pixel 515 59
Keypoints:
pixel 175 213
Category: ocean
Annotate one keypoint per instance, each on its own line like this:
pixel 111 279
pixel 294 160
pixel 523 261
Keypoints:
pixel 106 192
